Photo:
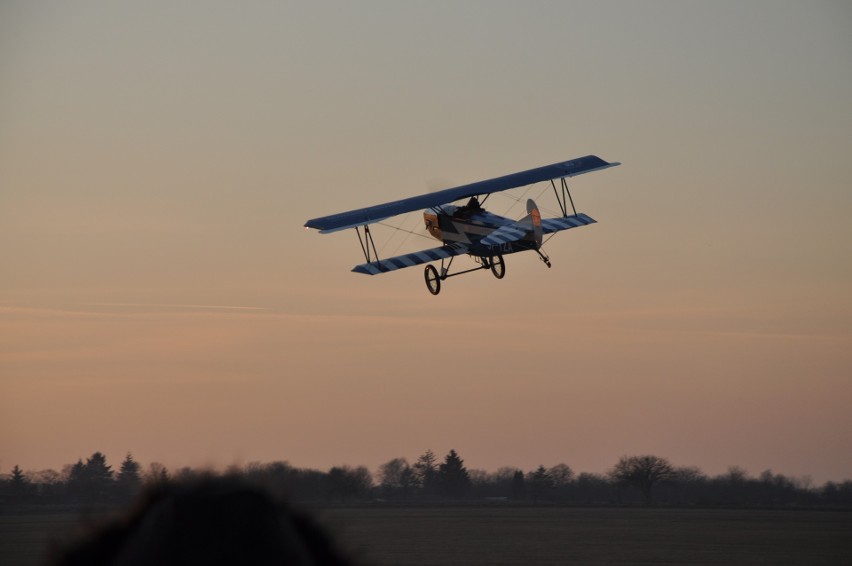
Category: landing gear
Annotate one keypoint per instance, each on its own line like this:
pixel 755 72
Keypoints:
pixel 544 258
pixel 498 266
pixel 433 281
pixel 434 277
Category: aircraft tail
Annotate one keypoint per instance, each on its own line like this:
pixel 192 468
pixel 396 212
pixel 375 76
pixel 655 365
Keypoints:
pixel 533 222
pixel 527 228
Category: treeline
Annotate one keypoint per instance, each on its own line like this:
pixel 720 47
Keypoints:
pixel 633 480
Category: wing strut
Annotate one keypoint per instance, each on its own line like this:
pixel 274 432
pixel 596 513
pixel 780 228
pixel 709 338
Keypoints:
pixel 563 201
pixel 368 246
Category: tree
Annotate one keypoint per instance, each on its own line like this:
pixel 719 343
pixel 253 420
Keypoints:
pixel 689 485
pixel 129 476
pixel 496 484
pixel 397 478
pixel 17 484
pixel 74 472
pixel 426 472
pixel 519 488
pixel 97 476
pixel 390 473
pixel 540 483
pixel 157 474
pixel 74 475
pixel 593 489
pixel 453 477
pixel 689 474
pixel 90 480
pixel 363 480
pixel 47 485
pixel 561 475
pixel 17 479
pixel 129 473
pixel 736 476
pixel 642 472
pixel 46 477
pixel 345 482
pixel 97 470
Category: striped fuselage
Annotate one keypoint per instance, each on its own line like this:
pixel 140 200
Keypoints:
pixel 469 227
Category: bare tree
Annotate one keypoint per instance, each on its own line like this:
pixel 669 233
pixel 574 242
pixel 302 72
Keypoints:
pixel 45 477
pixel 642 472
pixel 561 474
pixel 397 478
pixel 688 474
pixel 345 482
pixel 157 474
pixel 736 475
pixel 390 473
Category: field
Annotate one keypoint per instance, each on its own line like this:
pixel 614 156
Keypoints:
pixel 530 535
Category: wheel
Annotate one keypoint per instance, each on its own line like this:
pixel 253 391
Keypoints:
pixel 433 282
pixel 498 266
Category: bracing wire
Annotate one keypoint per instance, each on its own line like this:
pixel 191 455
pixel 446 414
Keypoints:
pixel 521 198
pixel 516 200
pixel 405 239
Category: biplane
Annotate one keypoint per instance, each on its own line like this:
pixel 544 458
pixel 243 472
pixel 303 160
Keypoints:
pixel 468 228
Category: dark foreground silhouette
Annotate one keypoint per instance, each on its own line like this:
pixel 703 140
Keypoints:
pixel 210 521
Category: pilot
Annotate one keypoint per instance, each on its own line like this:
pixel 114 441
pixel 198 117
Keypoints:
pixel 467 210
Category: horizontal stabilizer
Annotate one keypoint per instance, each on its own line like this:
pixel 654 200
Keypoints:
pixel 409 260
pixel 550 225
pixel 505 234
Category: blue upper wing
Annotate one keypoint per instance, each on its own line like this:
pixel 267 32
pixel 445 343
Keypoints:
pixel 380 212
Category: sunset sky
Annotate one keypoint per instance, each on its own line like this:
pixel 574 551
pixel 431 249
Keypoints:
pixel 160 295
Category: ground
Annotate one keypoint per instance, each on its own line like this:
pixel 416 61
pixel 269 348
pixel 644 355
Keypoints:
pixel 532 535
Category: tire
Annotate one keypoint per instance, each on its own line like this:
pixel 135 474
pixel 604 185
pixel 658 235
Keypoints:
pixel 433 281
pixel 498 266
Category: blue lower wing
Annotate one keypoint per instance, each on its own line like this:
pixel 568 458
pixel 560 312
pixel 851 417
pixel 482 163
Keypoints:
pixel 550 225
pixel 409 260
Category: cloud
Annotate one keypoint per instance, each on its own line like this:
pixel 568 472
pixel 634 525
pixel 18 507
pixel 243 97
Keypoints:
pixel 176 306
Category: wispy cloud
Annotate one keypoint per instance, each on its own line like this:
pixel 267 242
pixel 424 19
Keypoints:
pixel 175 306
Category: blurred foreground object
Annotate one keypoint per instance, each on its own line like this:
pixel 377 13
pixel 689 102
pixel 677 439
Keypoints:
pixel 210 521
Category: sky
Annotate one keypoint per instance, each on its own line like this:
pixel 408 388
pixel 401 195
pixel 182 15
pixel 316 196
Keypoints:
pixel 159 294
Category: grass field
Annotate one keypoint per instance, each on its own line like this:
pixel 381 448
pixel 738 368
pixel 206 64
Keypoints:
pixel 530 535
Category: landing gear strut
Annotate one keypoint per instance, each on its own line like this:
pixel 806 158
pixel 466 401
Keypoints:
pixel 434 277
